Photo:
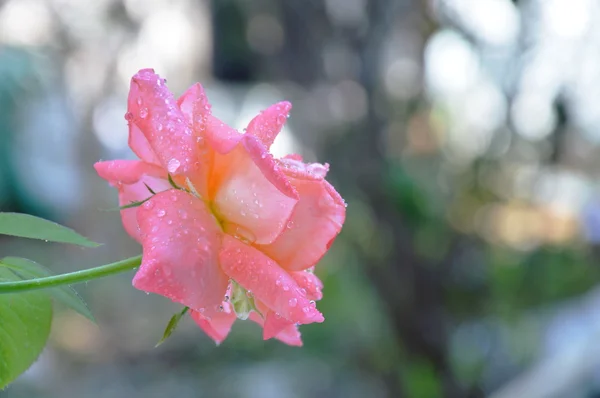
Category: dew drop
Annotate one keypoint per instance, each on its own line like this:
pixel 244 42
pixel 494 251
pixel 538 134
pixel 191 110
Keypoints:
pixel 148 205
pixel 293 302
pixel 161 213
pixel 143 113
pixel 129 116
pixel 173 165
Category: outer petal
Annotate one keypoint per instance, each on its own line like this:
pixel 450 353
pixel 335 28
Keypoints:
pixel 196 109
pixel 130 177
pixel 267 281
pixel 289 335
pixel 252 197
pixel 193 100
pixel 154 111
pixel 218 326
pixel 274 324
pixel 180 240
pixel 310 282
pixel 269 122
pixel 294 167
pixel 316 221
pixel 138 142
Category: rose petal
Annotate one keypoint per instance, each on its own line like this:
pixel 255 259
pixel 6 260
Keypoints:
pixel 196 109
pixel 127 171
pixel 193 100
pixel 153 109
pixel 316 221
pixel 221 137
pixel 274 324
pixel 269 122
pixel 289 335
pixel 310 282
pixel 130 177
pixel 247 201
pixel 269 283
pixel 218 326
pixel 296 168
pixel 269 167
pixel 138 142
pixel 180 240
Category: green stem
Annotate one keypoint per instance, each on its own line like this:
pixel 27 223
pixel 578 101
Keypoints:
pixel 71 277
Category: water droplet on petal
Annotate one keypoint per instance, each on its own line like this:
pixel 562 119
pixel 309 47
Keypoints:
pixel 161 213
pixel 173 165
pixel 293 302
pixel 129 116
pixel 143 113
pixel 148 205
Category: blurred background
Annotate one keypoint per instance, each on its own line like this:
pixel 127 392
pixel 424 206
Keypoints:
pixel 464 135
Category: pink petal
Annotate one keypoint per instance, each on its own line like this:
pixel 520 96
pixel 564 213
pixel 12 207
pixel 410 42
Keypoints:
pixel 130 177
pixel 274 324
pixel 316 221
pixel 221 137
pixel 310 282
pixel 196 109
pixel 289 335
pixel 296 168
pixel 127 171
pixel 181 240
pixel 138 142
pixel 269 122
pixel 269 167
pixel 267 281
pixel 192 100
pixel 153 109
pixel 250 205
pixel 218 326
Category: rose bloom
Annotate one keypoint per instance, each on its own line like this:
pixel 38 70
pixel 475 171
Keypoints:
pixel 226 229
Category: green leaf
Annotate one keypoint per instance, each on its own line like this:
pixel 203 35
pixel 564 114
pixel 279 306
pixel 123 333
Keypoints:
pixel 28 226
pixel 173 322
pixel 25 320
pixel 173 184
pixel 66 295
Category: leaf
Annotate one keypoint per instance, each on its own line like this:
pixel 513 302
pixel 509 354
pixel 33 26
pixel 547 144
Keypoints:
pixel 28 226
pixel 173 322
pixel 25 320
pixel 66 295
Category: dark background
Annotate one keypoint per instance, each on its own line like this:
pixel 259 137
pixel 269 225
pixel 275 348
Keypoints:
pixel 464 135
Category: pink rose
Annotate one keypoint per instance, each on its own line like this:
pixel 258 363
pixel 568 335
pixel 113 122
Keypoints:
pixel 226 229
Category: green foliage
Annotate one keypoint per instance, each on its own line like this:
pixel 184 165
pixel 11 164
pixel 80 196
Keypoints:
pixel 27 226
pixel 25 320
pixel 172 325
pixel 66 295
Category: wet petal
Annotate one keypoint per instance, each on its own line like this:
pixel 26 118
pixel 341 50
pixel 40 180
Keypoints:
pixel 274 324
pixel 289 335
pixel 130 177
pixel 316 221
pixel 268 282
pixel 250 204
pixel 294 167
pixel 269 122
pixel 139 144
pixel 152 108
pixel 221 137
pixel 310 282
pixel 193 100
pixel 217 326
pixel 181 240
